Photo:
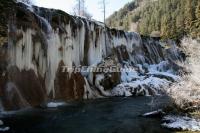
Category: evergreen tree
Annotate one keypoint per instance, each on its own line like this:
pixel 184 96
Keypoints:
pixel 197 23
pixel 172 18
pixel 197 12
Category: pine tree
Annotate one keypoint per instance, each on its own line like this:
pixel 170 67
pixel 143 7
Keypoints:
pixel 164 26
pixel 172 18
pixel 197 12
pixel 180 30
pixel 188 15
pixel 197 23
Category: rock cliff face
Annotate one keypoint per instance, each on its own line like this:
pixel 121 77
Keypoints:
pixel 36 43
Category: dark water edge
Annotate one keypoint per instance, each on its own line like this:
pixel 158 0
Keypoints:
pixel 113 115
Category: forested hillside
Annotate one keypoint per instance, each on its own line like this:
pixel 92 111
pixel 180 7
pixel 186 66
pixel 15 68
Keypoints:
pixel 170 18
pixel 121 18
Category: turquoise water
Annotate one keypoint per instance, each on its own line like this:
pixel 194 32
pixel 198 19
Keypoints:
pixel 115 115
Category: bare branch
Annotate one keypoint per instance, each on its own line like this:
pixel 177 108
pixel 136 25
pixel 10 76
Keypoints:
pixel 81 10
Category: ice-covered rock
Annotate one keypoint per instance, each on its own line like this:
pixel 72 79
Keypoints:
pixel 163 70
pixel 145 87
pixel 4 129
pixel 55 104
pixel 1 123
pixel 157 113
pixel 181 123
pixel 145 80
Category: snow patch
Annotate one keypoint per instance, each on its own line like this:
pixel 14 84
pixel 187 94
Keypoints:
pixel 4 129
pixel 181 123
pixel 55 104
pixel 128 76
pixel 145 80
pixel 149 86
pixel 153 113
pixel 162 69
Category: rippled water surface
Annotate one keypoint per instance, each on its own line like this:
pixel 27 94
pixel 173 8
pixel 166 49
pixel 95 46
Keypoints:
pixel 115 115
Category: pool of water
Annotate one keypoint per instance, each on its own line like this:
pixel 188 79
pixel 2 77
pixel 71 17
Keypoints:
pixel 115 115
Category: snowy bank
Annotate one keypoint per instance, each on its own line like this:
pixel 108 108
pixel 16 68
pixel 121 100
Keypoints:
pixel 186 93
pixel 181 123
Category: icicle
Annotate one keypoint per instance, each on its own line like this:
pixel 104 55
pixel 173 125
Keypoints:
pixel 70 48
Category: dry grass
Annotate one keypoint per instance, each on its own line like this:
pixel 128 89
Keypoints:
pixel 186 94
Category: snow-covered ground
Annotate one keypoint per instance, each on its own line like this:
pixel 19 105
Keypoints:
pixel 181 123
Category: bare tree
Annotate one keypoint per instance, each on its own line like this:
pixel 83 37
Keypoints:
pixel 103 3
pixel 103 8
pixel 81 10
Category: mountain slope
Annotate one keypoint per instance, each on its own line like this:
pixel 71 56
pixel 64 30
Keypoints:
pixel 171 18
pixel 121 19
